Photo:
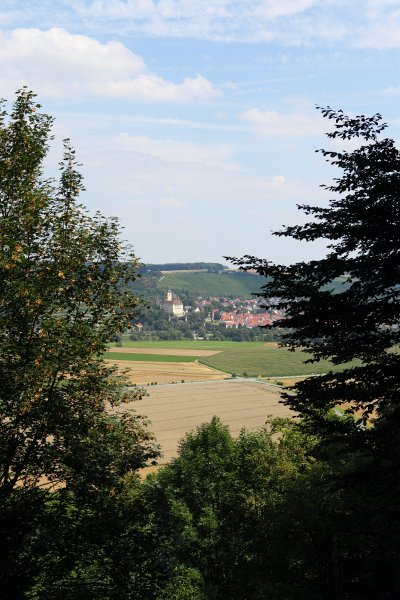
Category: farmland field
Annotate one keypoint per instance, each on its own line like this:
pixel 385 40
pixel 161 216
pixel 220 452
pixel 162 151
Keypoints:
pixel 164 351
pixel 151 357
pixel 188 382
pixel 249 358
pixel 176 409
pixel 145 373
pixel 267 360
pixel 190 393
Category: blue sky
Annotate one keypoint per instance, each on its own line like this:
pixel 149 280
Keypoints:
pixel 195 122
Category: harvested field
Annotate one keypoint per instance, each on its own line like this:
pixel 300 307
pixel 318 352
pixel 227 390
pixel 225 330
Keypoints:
pixel 164 351
pixel 176 409
pixel 143 373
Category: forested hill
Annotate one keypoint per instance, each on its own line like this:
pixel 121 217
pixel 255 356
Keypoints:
pixel 227 283
pixel 200 283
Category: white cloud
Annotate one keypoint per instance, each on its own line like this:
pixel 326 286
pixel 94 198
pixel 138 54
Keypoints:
pixel 271 9
pixel 376 8
pixel 278 181
pixel 216 19
pixel 186 9
pixel 174 150
pixel 188 124
pixel 381 35
pixel 152 87
pixel 274 123
pixel 59 64
pixel 359 23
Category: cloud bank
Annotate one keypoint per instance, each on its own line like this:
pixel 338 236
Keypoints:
pixel 359 23
pixel 65 65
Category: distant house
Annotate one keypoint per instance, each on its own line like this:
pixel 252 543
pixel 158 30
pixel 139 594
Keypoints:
pixel 172 305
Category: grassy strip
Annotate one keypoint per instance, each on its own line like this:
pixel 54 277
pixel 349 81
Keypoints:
pixel 268 361
pixel 191 345
pixel 149 357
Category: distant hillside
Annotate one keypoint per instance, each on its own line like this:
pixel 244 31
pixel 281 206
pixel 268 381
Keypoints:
pixel 193 266
pixel 205 283
pixel 227 283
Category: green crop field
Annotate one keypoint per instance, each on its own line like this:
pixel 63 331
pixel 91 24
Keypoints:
pixel 251 358
pixel 149 357
pixel 267 360
pixel 213 284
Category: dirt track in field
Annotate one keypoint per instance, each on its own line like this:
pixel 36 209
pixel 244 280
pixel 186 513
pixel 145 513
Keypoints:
pixel 165 351
pixel 176 409
pixel 144 373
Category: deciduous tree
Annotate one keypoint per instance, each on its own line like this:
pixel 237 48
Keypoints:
pixel 68 449
pixel 64 294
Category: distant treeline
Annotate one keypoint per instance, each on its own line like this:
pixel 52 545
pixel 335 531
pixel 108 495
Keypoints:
pixel 183 267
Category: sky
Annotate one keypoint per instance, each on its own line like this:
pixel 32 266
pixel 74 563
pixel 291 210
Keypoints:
pixel 195 122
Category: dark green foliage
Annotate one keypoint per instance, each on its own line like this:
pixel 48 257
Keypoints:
pixel 20 515
pixel 256 516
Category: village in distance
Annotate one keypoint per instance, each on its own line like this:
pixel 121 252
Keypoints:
pixel 202 301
